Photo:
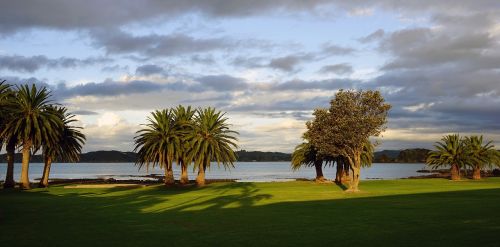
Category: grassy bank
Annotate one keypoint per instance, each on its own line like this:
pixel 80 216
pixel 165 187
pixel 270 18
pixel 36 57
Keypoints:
pixel 432 212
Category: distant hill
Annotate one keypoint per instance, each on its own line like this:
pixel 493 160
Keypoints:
pixel 244 155
pixel 126 157
pixel 416 155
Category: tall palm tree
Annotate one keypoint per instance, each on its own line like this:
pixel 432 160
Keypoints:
pixel 306 155
pixel 6 138
pixel 211 140
pixel 66 148
pixel 158 143
pixel 480 155
pixel 33 123
pixel 184 122
pixel 450 152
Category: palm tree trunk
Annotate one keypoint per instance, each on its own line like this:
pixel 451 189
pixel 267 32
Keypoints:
pixel 184 174
pixel 169 175
pixel 44 182
pixel 200 179
pixel 319 171
pixel 476 173
pixel 25 181
pixel 455 172
pixel 9 177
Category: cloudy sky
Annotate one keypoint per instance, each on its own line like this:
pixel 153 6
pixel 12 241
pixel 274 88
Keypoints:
pixel 268 64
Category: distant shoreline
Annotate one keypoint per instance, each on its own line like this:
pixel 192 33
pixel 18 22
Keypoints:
pixel 416 155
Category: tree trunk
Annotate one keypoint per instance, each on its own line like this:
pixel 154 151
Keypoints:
pixel 25 181
pixel 355 163
pixel 345 175
pixel 44 182
pixel 200 179
pixel 476 173
pixel 184 174
pixel 340 173
pixel 169 175
pixel 319 171
pixel 455 172
pixel 9 178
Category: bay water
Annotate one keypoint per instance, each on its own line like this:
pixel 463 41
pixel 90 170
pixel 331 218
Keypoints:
pixel 243 171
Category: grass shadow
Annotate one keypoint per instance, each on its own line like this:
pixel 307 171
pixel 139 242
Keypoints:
pixel 230 214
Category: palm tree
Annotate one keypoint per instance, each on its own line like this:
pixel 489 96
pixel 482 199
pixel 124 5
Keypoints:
pixel 306 155
pixel 480 155
pixel 184 122
pixel 367 154
pixel 211 140
pixel 66 148
pixel 450 152
pixel 7 139
pixel 32 123
pixel 158 143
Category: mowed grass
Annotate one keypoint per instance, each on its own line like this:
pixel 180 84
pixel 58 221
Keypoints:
pixel 420 212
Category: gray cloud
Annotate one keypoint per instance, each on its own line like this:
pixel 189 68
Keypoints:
pixel 114 68
pixel 330 84
pixel 149 69
pixel 336 50
pixel 289 63
pixel 154 45
pixel 223 82
pixel 338 69
pixel 84 112
pixel 33 63
pixel 107 88
pixel 73 14
pixel 377 35
pixel 206 60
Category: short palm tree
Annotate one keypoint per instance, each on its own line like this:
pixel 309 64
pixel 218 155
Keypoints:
pixel 211 140
pixel 480 155
pixel 159 142
pixel 306 155
pixel 183 117
pixel 32 122
pixel 450 152
pixel 7 139
pixel 66 148
pixel 367 154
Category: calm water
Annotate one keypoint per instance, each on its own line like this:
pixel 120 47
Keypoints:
pixel 243 171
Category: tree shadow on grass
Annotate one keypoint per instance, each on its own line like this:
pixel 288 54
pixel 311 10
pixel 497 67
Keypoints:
pixel 229 214
pixel 341 186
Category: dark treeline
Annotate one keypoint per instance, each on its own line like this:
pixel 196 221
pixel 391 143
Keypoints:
pixel 131 157
pixel 415 155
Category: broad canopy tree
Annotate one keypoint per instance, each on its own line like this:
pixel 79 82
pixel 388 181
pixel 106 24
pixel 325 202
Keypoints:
pixel 353 117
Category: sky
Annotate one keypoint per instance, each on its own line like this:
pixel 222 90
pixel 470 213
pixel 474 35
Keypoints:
pixel 268 64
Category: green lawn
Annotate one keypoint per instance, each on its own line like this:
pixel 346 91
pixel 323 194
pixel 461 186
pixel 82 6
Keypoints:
pixel 430 212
